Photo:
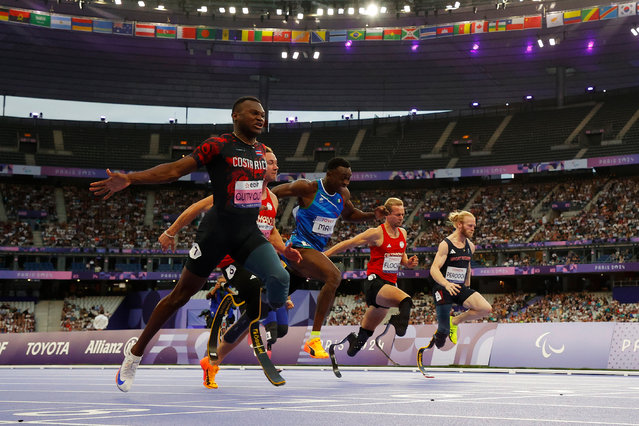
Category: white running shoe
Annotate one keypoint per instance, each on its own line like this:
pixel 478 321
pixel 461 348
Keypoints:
pixel 126 373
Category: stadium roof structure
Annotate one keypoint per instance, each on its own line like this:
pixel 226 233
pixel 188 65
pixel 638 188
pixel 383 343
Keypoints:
pixel 433 74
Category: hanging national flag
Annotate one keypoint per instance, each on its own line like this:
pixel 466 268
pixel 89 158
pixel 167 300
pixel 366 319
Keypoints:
pixel 608 12
pixel 572 17
pixel 264 35
pixel 235 35
pixel 4 14
pixel 496 26
pixel 248 35
pixel 166 31
pixel 187 33
pixel 532 22
pixel 41 20
pixel 337 35
pixel 61 22
pixel 300 37
pixel 478 27
pixel 554 19
pixel 410 33
pixel 461 28
pixel 374 34
pixel 445 31
pixel 515 24
pixel 627 9
pixel 356 34
pixel 104 27
pixel 393 34
pixel 144 30
pixel 19 16
pixel 590 14
pixel 282 36
pixel 120 28
pixel 205 34
pixel 427 32
pixel 319 36
pixel 81 24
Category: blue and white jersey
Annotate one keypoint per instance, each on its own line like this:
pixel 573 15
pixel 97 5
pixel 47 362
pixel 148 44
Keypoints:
pixel 314 225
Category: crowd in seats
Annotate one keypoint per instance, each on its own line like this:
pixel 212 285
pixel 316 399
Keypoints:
pixel 28 197
pixel 79 313
pixel 16 318
pixel 173 202
pixel 576 307
pixel 16 234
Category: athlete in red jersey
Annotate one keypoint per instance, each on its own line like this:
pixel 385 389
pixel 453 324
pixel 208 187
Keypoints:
pixel 387 243
pixel 236 165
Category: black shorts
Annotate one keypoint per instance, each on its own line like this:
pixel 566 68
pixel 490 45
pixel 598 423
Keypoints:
pixel 240 280
pixel 219 234
pixel 443 297
pixel 371 287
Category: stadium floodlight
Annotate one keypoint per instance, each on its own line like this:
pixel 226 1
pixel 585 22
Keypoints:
pixel 160 7
pixel 141 3
pixel 245 10
pixel 118 2
pixel 590 89
pixel 383 9
pixel 552 41
pixel 372 9
pixel 475 105
pixel 529 98
pixel 203 9
pixel 284 54
pixel 363 11
pixel 296 55
pixel 300 15
pixel 540 42
pixel 407 8
pixel 351 10
pixel 316 54
pixel 278 12
pixel 634 31
pixel 340 11
pixel 320 11
pixel 330 11
pixel 232 10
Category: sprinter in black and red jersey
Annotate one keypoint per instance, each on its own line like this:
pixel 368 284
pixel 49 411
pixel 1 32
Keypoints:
pixel 236 165
pixel 387 243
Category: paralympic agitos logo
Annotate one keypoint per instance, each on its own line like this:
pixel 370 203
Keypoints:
pixel 542 343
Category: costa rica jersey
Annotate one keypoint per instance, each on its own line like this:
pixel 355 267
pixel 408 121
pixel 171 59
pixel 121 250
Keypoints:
pixel 236 170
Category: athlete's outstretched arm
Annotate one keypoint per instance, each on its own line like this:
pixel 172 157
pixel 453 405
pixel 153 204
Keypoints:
pixel 300 188
pixel 372 236
pixel 436 273
pixel 352 214
pixel 167 172
pixel 167 239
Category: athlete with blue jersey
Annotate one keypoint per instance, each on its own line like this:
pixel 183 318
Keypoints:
pixel 320 203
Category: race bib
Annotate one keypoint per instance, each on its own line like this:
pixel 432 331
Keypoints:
pixel 266 228
pixel 456 275
pixel 248 194
pixel 391 263
pixel 324 226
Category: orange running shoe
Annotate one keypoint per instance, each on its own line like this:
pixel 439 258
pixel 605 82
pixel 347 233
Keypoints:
pixel 314 348
pixel 209 373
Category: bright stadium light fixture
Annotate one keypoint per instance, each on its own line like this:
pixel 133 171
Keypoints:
pixel 284 54
pixel 222 10
pixel 552 41
pixel 245 10
pixel 118 2
pixel 363 11
pixel 320 12
pixel 407 8
pixel 296 55
pixel 383 9
pixel 300 15
pixel 316 55
pixel 340 11
pixel 232 9
pixel 278 12
pixel 160 7
pixel 141 3
pixel 634 31
pixel 330 11
pixel 351 10
pixel 540 42
pixel 203 9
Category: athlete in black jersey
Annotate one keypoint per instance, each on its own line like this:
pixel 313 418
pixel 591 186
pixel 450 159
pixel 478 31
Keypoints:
pixel 450 277
pixel 236 166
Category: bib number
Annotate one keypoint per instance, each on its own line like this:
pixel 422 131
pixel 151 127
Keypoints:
pixel 248 194
pixel 456 275
pixel 324 225
pixel 391 263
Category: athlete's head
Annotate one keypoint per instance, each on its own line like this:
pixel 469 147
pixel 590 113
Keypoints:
pixel 464 222
pixel 395 209
pixel 271 166
pixel 248 116
pixel 338 174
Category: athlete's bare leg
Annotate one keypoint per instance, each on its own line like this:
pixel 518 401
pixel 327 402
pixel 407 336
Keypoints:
pixel 478 307
pixel 224 348
pixel 373 317
pixel 187 286
pixel 316 266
